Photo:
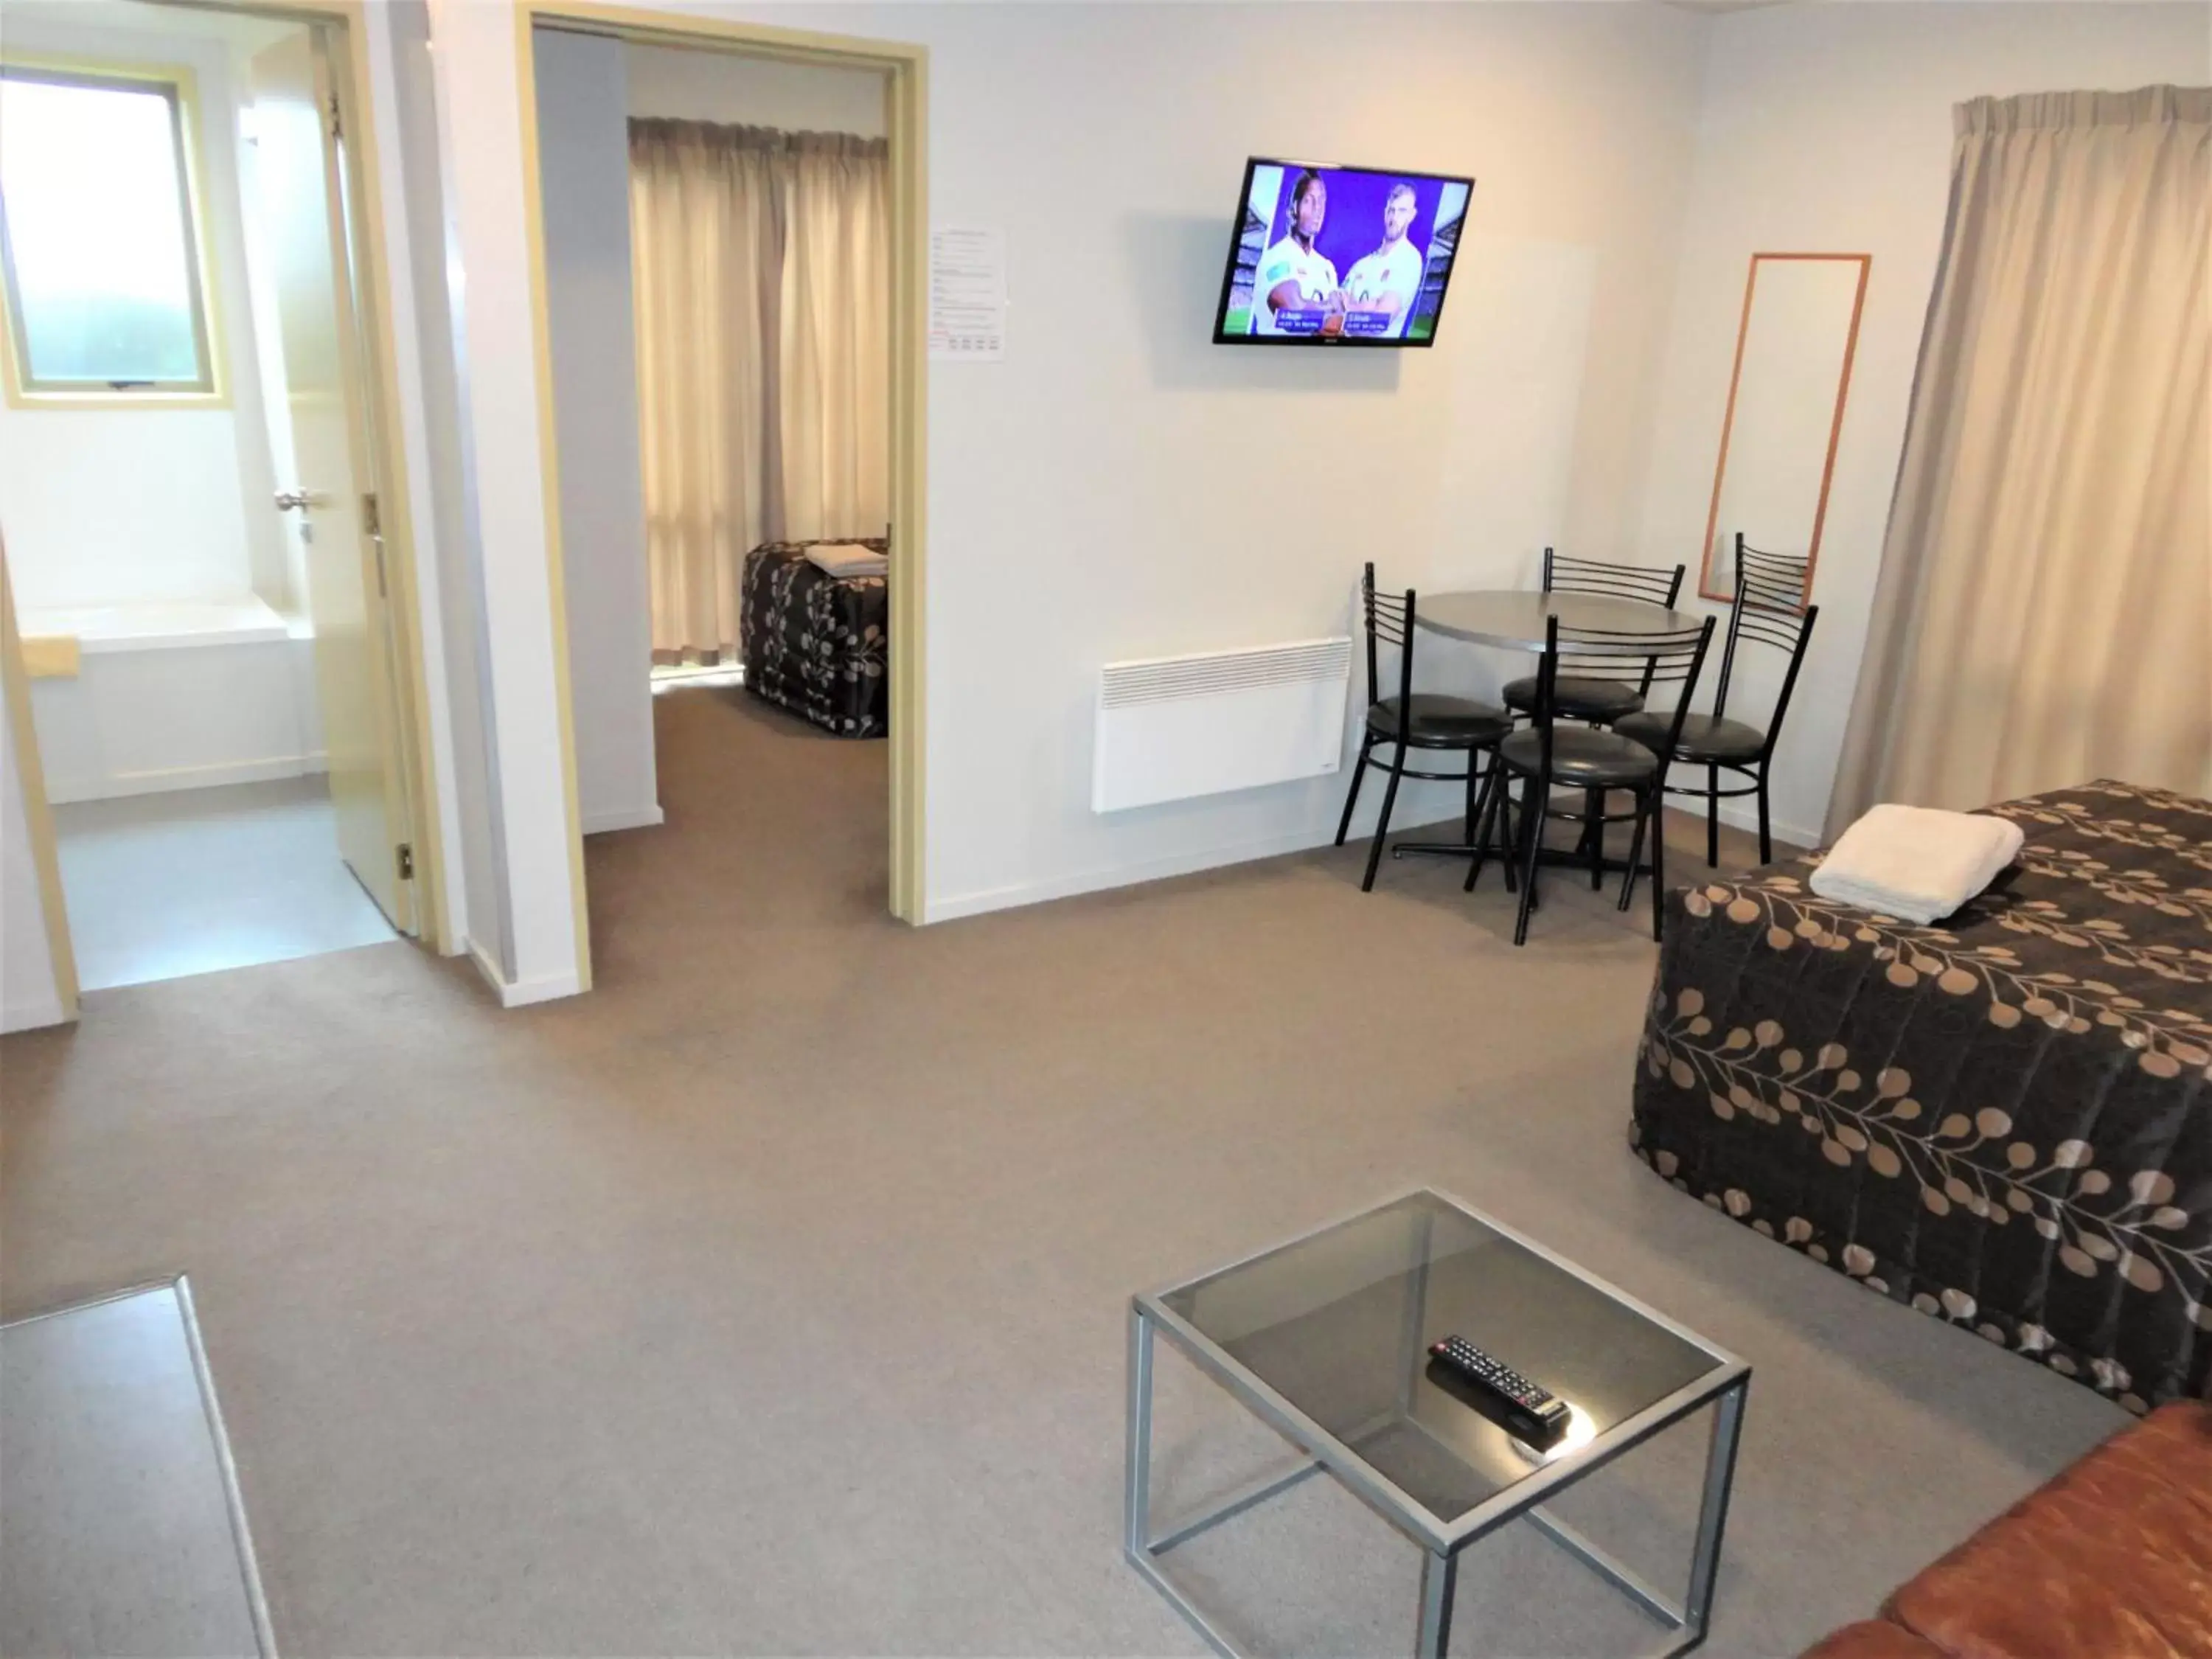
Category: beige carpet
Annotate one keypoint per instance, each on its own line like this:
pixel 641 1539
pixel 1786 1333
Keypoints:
pixel 772 1298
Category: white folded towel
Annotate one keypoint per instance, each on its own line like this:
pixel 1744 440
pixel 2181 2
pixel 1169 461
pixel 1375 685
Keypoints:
pixel 1915 863
pixel 848 559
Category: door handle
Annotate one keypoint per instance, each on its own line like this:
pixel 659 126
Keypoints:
pixel 302 499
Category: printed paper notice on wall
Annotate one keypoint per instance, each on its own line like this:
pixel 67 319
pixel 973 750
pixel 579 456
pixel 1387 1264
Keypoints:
pixel 968 295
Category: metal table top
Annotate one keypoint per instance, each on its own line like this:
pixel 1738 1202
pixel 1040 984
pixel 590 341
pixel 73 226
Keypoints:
pixel 1515 617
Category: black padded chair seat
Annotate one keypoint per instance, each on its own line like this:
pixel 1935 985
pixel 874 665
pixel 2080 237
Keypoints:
pixel 1440 722
pixel 1576 698
pixel 1704 737
pixel 1582 758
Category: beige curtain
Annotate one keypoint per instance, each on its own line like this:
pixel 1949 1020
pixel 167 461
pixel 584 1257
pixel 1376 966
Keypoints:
pixel 834 409
pixel 2044 614
pixel 761 274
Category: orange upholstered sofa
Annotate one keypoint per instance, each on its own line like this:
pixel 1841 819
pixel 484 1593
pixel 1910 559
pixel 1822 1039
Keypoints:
pixel 2111 1561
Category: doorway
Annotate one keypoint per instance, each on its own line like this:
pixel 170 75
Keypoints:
pixel 204 600
pixel 695 660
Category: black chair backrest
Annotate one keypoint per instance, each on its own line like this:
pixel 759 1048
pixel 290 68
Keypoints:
pixel 1389 619
pixel 1770 610
pixel 1780 581
pixel 1658 657
pixel 1626 581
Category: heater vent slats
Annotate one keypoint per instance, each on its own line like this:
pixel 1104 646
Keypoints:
pixel 1175 727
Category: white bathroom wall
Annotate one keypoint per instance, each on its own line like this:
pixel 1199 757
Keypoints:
pixel 127 507
pixel 583 149
pixel 150 534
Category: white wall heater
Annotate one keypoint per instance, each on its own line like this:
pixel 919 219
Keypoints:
pixel 1172 727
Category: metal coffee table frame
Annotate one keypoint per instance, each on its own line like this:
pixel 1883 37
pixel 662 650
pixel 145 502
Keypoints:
pixel 1724 1387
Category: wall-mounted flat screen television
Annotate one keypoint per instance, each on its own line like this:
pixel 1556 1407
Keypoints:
pixel 1339 256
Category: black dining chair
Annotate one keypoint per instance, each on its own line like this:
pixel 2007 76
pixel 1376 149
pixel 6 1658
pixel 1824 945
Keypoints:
pixel 1548 754
pixel 1600 699
pixel 1770 610
pixel 1425 721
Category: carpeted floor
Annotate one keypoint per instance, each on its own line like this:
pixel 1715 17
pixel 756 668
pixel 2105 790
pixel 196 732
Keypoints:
pixel 772 1298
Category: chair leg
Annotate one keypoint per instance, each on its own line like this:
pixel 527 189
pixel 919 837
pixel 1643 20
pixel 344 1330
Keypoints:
pixel 1594 835
pixel 1658 857
pixel 1713 816
pixel 1487 815
pixel 1532 833
pixel 1635 852
pixel 1382 823
pixel 1508 840
pixel 1474 793
pixel 1351 795
pixel 1766 830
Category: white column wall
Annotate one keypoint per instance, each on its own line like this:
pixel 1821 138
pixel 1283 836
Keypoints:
pixel 475 59
pixel 584 161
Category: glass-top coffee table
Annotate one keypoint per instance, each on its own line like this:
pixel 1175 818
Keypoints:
pixel 1325 1339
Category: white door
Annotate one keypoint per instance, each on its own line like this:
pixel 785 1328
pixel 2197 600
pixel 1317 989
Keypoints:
pixel 301 199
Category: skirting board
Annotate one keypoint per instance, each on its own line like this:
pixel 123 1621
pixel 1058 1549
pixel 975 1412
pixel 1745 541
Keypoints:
pixel 1737 815
pixel 1129 875
pixel 635 817
pixel 61 791
pixel 519 993
pixel 1744 815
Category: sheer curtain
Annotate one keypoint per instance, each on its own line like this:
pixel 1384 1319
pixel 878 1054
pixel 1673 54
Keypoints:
pixel 2044 614
pixel 761 270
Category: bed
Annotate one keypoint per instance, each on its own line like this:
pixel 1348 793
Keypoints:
pixel 814 644
pixel 2004 1120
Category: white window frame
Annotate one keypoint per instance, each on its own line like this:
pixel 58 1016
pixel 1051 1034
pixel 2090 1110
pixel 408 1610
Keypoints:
pixel 175 84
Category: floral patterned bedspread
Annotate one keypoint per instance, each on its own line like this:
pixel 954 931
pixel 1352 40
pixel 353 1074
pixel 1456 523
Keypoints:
pixel 813 643
pixel 2005 1120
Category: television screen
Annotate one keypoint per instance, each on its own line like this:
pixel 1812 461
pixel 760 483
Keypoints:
pixel 1339 256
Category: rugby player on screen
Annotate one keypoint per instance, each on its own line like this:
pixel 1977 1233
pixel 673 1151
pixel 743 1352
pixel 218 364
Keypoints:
pixel 1293 275
pixel 1387 281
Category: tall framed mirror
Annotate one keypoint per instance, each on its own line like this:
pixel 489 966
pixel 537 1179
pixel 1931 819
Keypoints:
pixel 1785 410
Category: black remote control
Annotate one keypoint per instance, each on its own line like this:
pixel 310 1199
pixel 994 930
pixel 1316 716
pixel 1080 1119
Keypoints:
pixel 1531 1414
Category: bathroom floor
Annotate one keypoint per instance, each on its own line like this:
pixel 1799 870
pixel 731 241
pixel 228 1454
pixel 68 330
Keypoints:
pixel 193 880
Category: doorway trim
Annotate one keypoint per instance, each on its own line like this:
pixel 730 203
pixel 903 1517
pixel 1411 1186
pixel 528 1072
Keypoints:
pixel 354 88
pixel 37 815
pixel 905 68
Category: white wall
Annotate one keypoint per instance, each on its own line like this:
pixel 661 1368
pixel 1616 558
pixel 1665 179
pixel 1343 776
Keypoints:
pixel 677 84
pixel 116 507
pixel 1119 487
pixel 1828 128
pixel 500 482
pixel 583 148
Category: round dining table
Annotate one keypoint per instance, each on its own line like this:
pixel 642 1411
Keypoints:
pixel 1517 619
pixel 1514 618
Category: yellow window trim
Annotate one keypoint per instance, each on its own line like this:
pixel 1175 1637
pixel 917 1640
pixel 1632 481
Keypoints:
pixel 185 84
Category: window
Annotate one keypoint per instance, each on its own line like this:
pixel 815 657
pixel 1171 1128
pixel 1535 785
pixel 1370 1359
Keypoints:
pixel 96 226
